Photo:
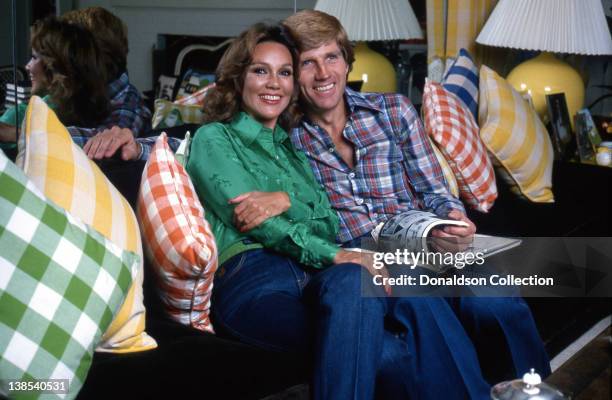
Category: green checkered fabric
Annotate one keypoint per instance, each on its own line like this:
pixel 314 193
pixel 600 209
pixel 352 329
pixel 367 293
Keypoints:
pixel 61 283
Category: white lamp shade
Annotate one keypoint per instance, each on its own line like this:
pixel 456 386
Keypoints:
pixel 374 19
pixel 559 26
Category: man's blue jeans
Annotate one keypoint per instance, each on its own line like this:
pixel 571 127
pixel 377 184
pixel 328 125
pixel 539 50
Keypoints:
pixel 272 302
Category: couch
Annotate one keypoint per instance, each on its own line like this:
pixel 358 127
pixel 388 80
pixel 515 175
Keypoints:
pixel 192 363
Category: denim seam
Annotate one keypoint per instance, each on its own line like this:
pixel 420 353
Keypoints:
pixel 233 272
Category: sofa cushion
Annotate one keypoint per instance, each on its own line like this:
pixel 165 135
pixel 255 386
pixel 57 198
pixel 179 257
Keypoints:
pixel 447 171
pixel 454 129
pixel 516 138
pixel 196 98
pixel 61 283
pixel 177 239
pixel 168 114
pixel 63 172
pixel 462 80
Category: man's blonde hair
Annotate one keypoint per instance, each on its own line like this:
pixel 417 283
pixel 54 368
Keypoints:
pixel 110 34
pixel 311 29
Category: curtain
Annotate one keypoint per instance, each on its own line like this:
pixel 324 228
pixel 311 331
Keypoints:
pixel 452 25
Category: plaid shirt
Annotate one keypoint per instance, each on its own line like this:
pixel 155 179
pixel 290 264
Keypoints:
pixel 395 167
pixel 127 110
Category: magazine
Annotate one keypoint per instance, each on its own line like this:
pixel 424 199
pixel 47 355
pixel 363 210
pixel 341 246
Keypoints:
pixel 411 230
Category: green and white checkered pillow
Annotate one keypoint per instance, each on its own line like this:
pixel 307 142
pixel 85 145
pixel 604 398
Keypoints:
pixel 61 283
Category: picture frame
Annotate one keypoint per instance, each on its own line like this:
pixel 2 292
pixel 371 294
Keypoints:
pixel 584 136
pixel 560 129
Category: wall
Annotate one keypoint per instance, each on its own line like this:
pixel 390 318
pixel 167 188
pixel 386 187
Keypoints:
pixel 147 18
pixel 190 17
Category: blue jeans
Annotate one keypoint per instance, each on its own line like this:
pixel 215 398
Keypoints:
pixel 267 300
pixel 270 301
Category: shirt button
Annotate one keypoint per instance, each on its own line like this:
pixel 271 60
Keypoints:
pixel 331 149
pixel 351 175
pixel 277 157
pixel 359 201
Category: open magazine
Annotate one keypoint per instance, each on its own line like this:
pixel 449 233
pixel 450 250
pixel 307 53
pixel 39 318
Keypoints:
pixel 410 230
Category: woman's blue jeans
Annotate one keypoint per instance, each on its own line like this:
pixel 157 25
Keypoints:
pixel 270 301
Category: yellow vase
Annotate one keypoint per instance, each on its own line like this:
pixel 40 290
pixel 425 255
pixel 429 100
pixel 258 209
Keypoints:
pixel 546 74
pixel 376 72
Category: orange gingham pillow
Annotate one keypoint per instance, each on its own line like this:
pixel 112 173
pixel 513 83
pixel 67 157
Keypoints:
pixel 453 128
pixel 176 237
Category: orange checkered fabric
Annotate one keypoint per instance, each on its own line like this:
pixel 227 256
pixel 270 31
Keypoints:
pixel 453 127
pixel 177 239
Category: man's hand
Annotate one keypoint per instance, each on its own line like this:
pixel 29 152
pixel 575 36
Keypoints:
pixel 255 207
pixel 7 133
pixel 366 260
pixel 107 142
pixel 454 238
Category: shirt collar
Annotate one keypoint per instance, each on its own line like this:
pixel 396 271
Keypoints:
pixel 118 85
pixel 249 129
pixel 356 99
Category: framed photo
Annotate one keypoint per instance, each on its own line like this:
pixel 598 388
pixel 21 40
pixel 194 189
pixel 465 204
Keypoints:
pixel 560 128
pixel 585 137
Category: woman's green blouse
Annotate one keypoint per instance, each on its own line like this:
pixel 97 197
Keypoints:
pixel 228 159
pixel 10 115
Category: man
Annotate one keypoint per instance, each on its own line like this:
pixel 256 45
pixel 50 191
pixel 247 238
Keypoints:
pixel 126 103
pixel 372 156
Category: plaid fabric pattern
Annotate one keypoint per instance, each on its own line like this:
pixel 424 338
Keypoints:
pixel 462 80
pixel 513 133
pixel 61 282
pixel 178 240
pixel 395 170
pixel 455 130
pixel 63 172
pixel 197 98
pixel 127 110
pixel 168 114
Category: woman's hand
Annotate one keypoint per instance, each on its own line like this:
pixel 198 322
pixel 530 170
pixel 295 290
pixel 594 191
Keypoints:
pixel 366 260
pixel 255 207
pixel 454 238
pixel 109 141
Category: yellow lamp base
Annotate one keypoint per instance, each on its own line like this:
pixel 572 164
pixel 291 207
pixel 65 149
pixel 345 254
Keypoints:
pixel 376 72
pixel 546 74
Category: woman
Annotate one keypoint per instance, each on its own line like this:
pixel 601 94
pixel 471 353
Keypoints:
pixel 127 108
pixel 274 227
pixel 64 68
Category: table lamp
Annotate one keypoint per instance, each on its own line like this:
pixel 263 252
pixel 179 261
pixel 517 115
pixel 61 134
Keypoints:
pixel 551 26
pixel 366 20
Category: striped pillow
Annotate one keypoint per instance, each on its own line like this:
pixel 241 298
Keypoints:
pixel 462 80
pixel 61 283
pixel 449 176
pixel 516 138
pixel 455 131
pixel 178 240
pixel 63 172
